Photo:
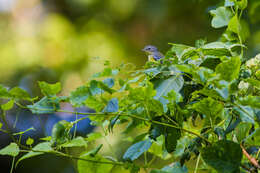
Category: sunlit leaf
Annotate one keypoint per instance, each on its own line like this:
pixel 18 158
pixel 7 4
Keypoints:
pixel 7 106
pixel 221 17
pixel 49 89
pixel 11 150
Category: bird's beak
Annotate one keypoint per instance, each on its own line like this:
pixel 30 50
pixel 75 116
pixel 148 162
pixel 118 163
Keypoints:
pixel 144 50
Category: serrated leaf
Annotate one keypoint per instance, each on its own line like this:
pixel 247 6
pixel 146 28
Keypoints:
pixel 49 89
pixel 79 96
pixel 229 70
pixel 44 106
pixel 7 106
pixel 224 156
pixel 137 149
pixel 11 150
pixel 76 142
pixel 221 17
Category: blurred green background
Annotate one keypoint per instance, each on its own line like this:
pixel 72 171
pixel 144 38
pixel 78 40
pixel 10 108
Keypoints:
pixel 69 40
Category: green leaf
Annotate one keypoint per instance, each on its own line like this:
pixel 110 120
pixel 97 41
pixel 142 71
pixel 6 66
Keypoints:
pixel 179 49
pixel 79 96
pixel 171 137
pixel 242 131
pixel 76 142
pixel 60 132
pixel 4 92
pixel 209 107
pixel 112 105
pixel 164 86
pixel 7 106
pixel 242 4
pixel 49 89
pixel 1 125
pixel 224 156
pixel 137 150
pixel 246 113
pixel 182 144
pixel 229 69
pixel 239 27
pixel 94 166
pixel 38 150
pixel 44 106
pixel 29 141
pixel 94 103
pixel 252 101
pixel 11 150
pixel 174 168
pixel 254 82
pixel 19 93
pixel 254 138
pixel 221 17
pixel 216 49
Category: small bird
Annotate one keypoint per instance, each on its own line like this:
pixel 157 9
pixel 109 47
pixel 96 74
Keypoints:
pixel 153 53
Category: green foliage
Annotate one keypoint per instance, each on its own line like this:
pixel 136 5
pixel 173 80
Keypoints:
pixel 137 150
pixel 198 102
pixel 10 150
pixel 224 156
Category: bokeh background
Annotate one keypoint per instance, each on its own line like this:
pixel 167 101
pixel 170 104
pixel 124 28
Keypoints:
pixel 69 40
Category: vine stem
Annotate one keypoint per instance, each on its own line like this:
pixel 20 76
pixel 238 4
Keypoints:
pixel 116 113
pixel 251 159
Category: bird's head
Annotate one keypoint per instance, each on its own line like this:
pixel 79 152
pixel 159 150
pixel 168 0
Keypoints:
pixel 150 49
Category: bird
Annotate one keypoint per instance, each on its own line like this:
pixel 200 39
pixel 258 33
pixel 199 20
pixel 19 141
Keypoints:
pixel 153 53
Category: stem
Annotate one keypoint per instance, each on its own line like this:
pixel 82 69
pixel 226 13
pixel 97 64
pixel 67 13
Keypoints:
pixel 116 113
pixel 12 167
pixel 197 164
pixel 252 160
pixel 76 125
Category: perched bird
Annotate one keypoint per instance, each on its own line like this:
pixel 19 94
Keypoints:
pixel 153 53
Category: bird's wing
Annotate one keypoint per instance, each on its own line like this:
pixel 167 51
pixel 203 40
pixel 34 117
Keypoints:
pixel 158 55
